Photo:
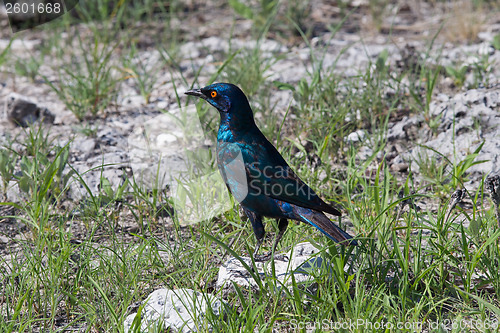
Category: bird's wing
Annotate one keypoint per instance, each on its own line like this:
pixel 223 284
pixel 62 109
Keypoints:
pixel 266 173
pixel 280 182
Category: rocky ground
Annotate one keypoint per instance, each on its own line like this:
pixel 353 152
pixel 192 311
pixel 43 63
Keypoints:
pixel 463 116
pixel 466 117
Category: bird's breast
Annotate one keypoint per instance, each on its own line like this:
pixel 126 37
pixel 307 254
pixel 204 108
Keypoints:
pixel 225 133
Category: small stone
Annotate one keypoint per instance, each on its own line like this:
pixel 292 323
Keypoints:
pixel 85 145
pixel 465 121
pixel 165 138
pixel 485 36
pixel 357 136
pixel 492 99
pixel 23 112
pixel 364 153
pixel 298 262
pixel 442 98
pixel 181 310
pixel 486 49
pixel 473 96
pixel 162 105
pixel 134 101
pixel 399 167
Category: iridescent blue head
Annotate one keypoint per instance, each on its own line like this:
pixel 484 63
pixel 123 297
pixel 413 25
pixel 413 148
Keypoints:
pixel 225 97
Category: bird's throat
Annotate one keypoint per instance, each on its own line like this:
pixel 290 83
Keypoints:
pixel 234 123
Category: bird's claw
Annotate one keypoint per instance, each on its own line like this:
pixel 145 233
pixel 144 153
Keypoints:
pixel 281 257
pixel 262 257
pixel 268 256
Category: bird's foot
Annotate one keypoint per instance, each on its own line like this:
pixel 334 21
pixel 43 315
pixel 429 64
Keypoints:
pixel 281 257
pixel 262 257
pixel 268 256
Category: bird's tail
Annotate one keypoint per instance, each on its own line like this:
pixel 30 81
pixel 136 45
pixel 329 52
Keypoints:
pixel 323 224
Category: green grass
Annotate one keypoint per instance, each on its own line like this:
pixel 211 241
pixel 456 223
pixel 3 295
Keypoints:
pixel 72 264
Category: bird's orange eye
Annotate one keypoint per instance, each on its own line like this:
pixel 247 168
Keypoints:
pixel 213 94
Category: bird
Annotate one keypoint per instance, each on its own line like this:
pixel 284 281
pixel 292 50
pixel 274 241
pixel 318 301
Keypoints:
pixel 258 176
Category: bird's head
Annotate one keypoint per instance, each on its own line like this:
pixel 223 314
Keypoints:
pixel 225 97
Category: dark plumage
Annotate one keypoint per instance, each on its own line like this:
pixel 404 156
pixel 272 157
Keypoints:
pixel 257 175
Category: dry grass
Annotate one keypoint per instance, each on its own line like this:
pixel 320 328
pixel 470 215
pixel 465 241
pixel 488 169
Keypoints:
pixel 463 21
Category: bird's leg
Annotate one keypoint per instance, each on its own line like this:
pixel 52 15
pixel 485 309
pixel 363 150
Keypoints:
pixel 259 242
pixel 282 225
pixel 259 234
pixel 260 257
pixel 259 231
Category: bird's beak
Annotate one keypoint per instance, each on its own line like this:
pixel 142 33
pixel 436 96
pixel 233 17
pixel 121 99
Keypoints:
pixel 196 92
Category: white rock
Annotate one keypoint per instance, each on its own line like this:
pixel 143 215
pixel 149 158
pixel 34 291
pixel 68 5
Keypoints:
pixel 492 99
pixel 181 310
pixel 85 145
pixel 466 120
pixel 486 36
pixel 299 262
pixel 485 49
pixel 162 105
pixel 356 136
pixel 133 101
pixel 165 138
pixel 22 111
